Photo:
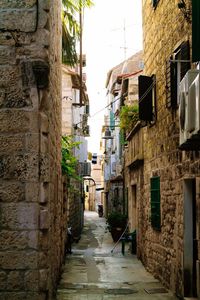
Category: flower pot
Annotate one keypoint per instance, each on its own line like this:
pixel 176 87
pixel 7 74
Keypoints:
pixel 116 233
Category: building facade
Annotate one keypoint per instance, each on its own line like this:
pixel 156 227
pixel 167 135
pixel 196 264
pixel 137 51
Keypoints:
pixel 122 92
pixel 167 182
pixel 75 112
pixel 32 221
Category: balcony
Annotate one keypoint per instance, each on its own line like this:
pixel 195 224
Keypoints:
pixel 134 154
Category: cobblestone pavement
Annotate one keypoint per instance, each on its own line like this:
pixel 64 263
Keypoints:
pixel 93 272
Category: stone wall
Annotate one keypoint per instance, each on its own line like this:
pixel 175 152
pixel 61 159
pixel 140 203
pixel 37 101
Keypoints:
pixel 162 251
pixel 32 212
pixel 75 207
pixel 134 182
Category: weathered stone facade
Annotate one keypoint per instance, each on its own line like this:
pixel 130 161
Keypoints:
pixel 133 176
pixel 74 120
pixel 121 84
pixel 163 251
pixel 32 212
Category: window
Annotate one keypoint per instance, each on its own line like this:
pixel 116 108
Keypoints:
pixel 112 120
pixel 87 109
pixel 154 3
pixel 176 68
pixel 147 98
pixel 155 202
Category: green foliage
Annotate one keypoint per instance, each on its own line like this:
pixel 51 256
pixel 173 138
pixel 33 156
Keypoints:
pixel 69 162
pixel 122 137
pixel 129 116
pixel 71 29
pixel 116 219
pixel 89 155
pixel 75 5
pixel 70 34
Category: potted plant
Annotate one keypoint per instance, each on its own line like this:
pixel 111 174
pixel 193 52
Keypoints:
pixel 116 224
pixel 129 116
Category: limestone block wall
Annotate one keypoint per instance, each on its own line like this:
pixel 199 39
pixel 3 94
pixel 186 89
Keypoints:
pixel 67 95
pixel 32 212
pixel 162 252
pixel 134 183
pixel 75 207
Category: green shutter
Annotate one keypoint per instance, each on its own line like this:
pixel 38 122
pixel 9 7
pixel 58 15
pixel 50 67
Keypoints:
pixel 195 30
pixel 112 120
pixel 125 204
pixel 155 203
pixel 173 82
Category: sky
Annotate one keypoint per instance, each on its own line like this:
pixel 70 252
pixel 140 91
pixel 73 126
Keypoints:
pixel 112 32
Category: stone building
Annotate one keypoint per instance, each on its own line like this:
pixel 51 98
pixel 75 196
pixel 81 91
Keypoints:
pixel 94 185
pixel 75 124
pixel 164 169
pixel 122 91
pixel 32 218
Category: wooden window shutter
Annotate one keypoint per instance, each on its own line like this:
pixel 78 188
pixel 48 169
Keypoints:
pixel 168 84
pixel 155 203
pixel 171 84
pixel 87 109
pixel 195 30
pixel 145 98
pixel 172 76
pixel 185 55
pixel 112 120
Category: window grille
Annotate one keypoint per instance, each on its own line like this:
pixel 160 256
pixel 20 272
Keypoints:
pixel 176 68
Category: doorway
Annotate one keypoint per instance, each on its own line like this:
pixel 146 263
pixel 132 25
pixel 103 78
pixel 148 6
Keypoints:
pixel 133 208
pixel 190 246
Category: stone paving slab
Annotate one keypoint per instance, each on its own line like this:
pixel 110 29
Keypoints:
pixel 93 272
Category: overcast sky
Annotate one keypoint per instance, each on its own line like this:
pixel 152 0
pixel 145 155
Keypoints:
pixel 110 26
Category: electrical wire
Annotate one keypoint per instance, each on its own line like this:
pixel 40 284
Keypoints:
pixel 141 98
pixel 118 98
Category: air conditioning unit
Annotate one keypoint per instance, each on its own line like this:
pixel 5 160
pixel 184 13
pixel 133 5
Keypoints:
pixel 194 107
pixel 85 169
pixel 186 108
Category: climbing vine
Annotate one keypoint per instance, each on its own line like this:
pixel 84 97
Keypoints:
pixel 69 161
pixel 129 116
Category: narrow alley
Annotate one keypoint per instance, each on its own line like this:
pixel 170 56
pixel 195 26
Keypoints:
pixel 94 272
